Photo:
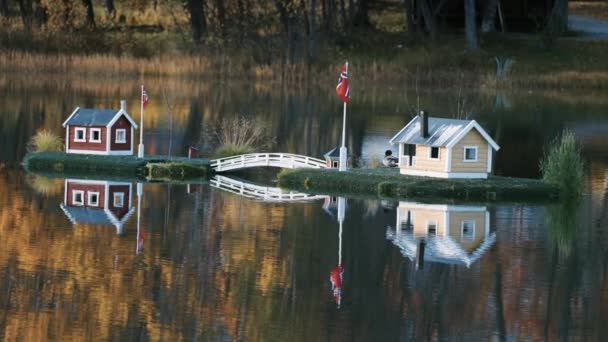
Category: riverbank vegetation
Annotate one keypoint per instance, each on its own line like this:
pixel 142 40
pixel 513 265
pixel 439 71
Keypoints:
pixel 283 41
pixel 233 136
pixel 82 165
pixel 385 182
pixel 563 165
pixel 45 141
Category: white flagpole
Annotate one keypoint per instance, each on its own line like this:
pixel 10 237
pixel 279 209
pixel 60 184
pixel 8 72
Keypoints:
pixel 343 151
pixel 341 212
pixel 140 151
pixel 139 194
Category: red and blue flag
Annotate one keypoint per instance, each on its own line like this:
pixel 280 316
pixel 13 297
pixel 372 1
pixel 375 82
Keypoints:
pixel 342 88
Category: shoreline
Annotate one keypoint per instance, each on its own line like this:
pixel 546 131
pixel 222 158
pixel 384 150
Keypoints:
pixel 388 183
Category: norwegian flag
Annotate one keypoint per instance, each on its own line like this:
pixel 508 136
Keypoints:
pixel 144 97
pixel 342 88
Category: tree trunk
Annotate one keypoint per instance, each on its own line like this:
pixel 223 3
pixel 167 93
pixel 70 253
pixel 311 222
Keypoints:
pixel 489 16
pixel 197 19
pixel 40 13
pixel 221 17
pixel 90 14
pixel 25 9
pixel 429 18
pixel 110 9
pixel 470 26
pixel 558 20
pixel 409 16
pixel 4 8
pixel 362 14
pixel 312 10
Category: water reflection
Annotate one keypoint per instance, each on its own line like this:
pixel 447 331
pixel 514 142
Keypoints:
pixel 449 234
pixel 95 202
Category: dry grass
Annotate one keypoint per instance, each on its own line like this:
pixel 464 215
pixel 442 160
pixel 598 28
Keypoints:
pixel 596 9
pixel 45 141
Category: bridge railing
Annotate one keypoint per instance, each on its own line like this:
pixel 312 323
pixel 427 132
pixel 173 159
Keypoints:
pixel 258 192
pixel 282 160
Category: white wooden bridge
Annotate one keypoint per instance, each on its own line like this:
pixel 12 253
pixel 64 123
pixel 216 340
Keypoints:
pixel 281 160
pixel 259 192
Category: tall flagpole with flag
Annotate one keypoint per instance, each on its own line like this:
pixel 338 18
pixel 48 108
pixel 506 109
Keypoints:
pixel 144 103
pixel 343 91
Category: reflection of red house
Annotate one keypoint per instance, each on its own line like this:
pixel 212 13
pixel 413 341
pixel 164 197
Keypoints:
pixel 100 131
pixel 97 202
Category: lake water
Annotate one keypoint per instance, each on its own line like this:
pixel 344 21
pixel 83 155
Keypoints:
pixel 198 263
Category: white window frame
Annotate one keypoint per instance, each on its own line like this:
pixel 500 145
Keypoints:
pixel 334 164
pixel 90 194
pixel 120 195
pixel 464 156
pixel 124 136
pixel 431 153
pixel 98 130
pixel 78 192
pixel 84 134
pixel 462 223
pixel 431 223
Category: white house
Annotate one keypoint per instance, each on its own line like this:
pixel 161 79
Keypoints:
pixel 444 148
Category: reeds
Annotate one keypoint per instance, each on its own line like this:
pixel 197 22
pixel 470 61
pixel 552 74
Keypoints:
pixel 563 165
pixel 45 141
pixel 234 136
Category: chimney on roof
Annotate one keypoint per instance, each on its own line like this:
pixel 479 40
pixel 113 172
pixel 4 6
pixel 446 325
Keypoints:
pixel 123 105
pixel 424 124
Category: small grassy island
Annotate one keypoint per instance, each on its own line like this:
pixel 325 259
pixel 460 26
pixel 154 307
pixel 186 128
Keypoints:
pixel 152 168
pixel 386 182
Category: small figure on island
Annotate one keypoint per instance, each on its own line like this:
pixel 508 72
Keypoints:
pixel 389 160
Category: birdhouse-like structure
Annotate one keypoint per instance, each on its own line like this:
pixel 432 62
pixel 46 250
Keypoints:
pixel 332 158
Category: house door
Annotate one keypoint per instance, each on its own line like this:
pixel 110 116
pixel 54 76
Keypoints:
pixel 409 150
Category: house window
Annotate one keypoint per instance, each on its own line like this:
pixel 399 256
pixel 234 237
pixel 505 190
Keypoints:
pixel 78 197
pixel 334 163
pixel 467 230
pixel 431 228
pixel 121 136
pixel 79 135
pixel 93 199
pixel 434 153
pixel 119 199
pixel 95 135
pixel 470 153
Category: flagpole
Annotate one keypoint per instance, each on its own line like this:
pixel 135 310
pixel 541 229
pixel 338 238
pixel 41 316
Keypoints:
pixel 343 151
pixel 140 151
pixel 139 194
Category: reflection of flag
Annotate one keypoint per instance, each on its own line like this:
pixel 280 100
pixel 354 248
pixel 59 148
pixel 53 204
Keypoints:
pixel 342 88
pixel 144 97
pixel 140 242
pixel 336 283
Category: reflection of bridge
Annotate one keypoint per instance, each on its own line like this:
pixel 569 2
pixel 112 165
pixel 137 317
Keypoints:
pixel 259 192
pixel 282 160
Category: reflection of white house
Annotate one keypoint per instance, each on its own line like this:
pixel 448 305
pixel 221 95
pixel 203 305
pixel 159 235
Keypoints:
pixel 97 202
pixel 451 234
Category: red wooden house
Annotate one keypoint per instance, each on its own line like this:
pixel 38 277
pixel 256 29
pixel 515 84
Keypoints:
pixel 100 131
pixel 97 202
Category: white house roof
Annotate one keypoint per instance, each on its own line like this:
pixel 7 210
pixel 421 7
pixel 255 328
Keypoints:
pixel 442 132
pixel 96 117
pixel 439 249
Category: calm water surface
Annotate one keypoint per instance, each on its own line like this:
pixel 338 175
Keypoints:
pixel 204 264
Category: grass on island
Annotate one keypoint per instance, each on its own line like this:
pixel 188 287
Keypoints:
pixel 384 182
pixel 84 165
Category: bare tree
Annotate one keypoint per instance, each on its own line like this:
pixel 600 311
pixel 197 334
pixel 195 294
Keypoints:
pixel 489 16
pixel 470 26
pixel 88 4
pixel 198 21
